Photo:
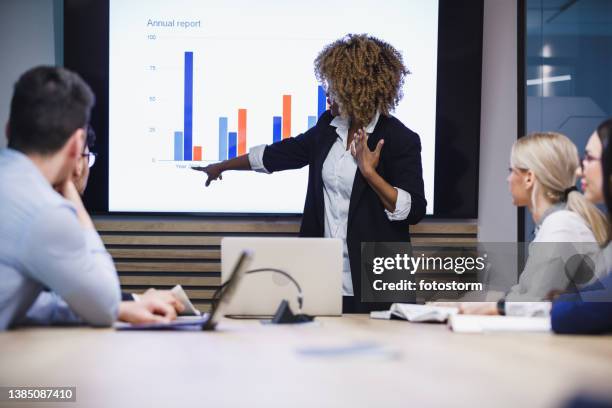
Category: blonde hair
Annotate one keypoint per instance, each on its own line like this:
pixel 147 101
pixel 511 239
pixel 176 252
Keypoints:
pixel 553 159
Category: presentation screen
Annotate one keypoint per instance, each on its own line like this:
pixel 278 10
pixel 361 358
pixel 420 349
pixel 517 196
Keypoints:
pixel 194 82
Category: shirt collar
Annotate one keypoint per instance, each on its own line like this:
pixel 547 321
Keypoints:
pixel 342 125
pixel 372 125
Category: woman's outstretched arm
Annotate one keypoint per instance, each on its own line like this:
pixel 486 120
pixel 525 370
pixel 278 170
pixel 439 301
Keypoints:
pixel 214 171
pixel 290 153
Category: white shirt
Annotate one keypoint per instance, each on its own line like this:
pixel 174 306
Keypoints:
pixel 339 170
pixel 560 235
pixel 563 226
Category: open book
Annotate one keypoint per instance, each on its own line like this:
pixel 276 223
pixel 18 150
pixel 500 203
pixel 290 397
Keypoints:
pixel 416 313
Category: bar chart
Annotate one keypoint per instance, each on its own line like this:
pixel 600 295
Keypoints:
pixel 231 144
pixel 190 95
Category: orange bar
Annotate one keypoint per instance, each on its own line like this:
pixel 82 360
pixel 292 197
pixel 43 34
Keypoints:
pixel 242 129
pixel 286 116
pixel 197 153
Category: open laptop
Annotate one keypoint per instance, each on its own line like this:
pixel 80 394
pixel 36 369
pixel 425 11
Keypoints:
pixel 315 264
pixel 207 321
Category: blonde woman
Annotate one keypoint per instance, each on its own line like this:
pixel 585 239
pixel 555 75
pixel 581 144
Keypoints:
pixel 543 172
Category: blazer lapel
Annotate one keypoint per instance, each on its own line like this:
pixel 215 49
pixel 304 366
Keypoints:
pixel 327 141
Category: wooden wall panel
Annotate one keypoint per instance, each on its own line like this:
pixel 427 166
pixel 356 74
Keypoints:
pixel 162 252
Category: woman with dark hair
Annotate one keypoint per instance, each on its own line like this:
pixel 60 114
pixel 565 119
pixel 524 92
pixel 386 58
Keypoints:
pixel 552 160
pixel 591 170
pixel 358 190
pixel 590 310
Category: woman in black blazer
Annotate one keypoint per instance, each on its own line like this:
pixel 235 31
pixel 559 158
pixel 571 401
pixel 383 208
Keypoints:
pixel 365 180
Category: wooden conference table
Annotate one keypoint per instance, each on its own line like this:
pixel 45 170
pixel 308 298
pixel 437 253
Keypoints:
pixel 350 361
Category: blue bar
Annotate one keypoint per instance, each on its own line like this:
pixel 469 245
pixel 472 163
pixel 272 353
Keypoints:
pixel 188 124
pixel 312 120
pixel 277 124
pixel 322 106
pixel 178 146
pixel 233 144
pixel 222 139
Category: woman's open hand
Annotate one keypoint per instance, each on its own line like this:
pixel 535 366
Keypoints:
pixel 213 171
pixel 367 160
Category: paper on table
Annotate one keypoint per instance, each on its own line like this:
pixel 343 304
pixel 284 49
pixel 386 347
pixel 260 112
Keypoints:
pixel 480 324
pixel 416 313
pixel 180 294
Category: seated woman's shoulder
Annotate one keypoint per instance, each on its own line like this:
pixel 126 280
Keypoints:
pixel 564 226
pixel 564 217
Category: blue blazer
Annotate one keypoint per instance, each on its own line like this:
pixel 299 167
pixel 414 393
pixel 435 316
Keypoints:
pixel 586 312
pixel 400 166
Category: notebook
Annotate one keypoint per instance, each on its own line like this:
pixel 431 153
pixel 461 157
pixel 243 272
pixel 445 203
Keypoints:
pixel 416 313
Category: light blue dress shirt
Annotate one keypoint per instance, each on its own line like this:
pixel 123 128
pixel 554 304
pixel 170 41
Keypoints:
pixel 42 244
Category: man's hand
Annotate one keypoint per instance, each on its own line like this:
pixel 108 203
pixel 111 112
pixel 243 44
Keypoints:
pixel 146 311
pixel 69 191
pixel 213 171
pixel 367 160
pixel 164 296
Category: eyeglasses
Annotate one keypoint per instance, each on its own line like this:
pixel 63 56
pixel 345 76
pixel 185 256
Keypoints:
pixel 589 158
pixel 89 141
pixel 91 158
pixel 91 136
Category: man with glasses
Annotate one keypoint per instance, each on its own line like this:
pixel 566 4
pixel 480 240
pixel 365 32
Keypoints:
pixel 47 239
pixel 88 159
pixel 80 176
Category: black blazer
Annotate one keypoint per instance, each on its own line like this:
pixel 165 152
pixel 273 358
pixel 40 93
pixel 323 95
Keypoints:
pixel 400 166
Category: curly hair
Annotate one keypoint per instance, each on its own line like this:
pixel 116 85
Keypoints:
pixel 364 74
